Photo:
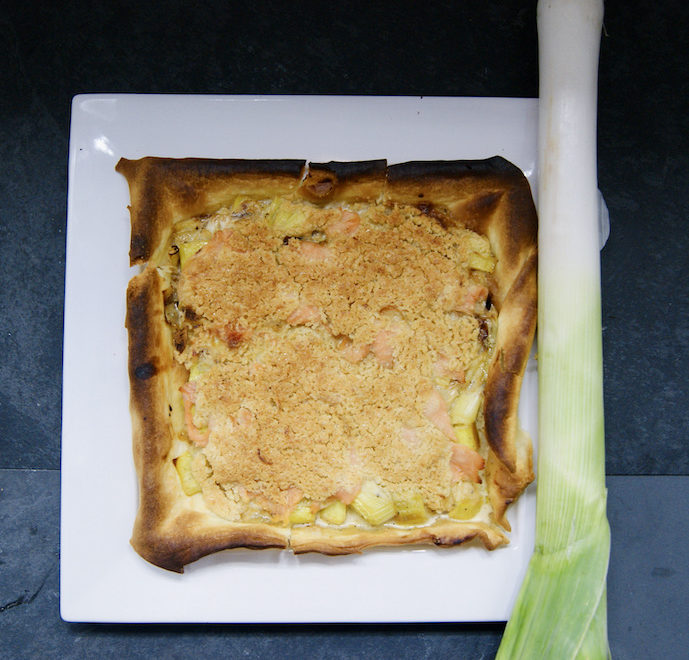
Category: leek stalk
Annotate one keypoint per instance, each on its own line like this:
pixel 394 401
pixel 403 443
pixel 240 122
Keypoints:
pixel 560 611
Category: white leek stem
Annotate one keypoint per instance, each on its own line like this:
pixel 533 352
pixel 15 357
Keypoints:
pixel 560 611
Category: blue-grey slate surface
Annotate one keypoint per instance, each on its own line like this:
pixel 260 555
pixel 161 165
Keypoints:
pixel 648 599
pixel 52 51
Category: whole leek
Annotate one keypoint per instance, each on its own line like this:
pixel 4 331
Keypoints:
pixel 561 608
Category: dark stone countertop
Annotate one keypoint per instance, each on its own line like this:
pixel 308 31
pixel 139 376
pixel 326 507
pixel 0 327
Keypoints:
pixel 52 51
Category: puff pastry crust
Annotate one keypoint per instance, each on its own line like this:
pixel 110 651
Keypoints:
pixel 490 198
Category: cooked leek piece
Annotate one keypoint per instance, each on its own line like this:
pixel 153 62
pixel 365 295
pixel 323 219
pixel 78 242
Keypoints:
pixel 481 262
pixel 373 504
pixel 239 205
pixel 468 501
pixel 464 409
pixel 466 435
pixel 560 611
pixel 288 219
pixel 187 230
pixel 302 513
pixel 334 513
pixel 411 509
pixel 173 315
pixel 478 244
pixel 476 373
pixel 186 477
pixel 198 369
pixel 443 381
pixel 188 249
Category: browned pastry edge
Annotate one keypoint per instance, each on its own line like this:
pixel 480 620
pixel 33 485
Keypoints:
pixel 444 533
pixel 491 197
pixel 344 182
pixel 166 532
pixel 164 190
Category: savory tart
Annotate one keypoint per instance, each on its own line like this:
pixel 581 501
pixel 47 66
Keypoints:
pixel 327 357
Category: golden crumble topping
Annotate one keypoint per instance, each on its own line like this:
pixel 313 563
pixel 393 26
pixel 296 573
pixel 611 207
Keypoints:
pixel 326 348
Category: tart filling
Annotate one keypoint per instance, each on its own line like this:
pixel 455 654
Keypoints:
pixel 335 355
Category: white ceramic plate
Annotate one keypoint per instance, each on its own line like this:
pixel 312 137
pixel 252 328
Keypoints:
pixel 102 578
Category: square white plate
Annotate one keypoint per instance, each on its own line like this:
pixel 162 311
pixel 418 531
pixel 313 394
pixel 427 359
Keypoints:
pixel 102 578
